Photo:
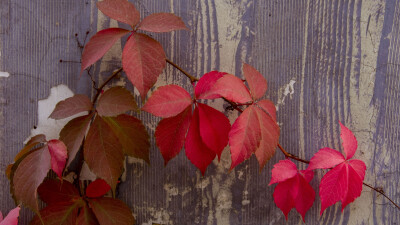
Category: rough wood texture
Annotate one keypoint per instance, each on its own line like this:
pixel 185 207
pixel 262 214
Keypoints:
pixel 324 60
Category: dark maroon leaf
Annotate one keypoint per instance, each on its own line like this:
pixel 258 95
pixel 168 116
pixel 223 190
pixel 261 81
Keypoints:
pixel 53 191
pixel 111 211
pixel 71 106
pixel 115 101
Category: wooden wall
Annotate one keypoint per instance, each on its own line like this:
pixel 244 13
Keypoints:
pixel 325 61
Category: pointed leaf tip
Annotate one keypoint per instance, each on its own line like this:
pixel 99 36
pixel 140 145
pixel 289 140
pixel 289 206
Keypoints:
pixel 349 141
pixel 256 81
pixel 11 218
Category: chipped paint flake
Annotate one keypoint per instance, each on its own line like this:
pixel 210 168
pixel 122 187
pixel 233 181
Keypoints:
pixel 4 74
pixel 284 92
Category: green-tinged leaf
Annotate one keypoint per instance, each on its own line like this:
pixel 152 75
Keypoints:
pixel 103 152
pixel 131 134
pixel 29 175
pixel 53 191
pixel 71 106
pixel 111 211
pixel 86 217
pixel 115 101
pixel 72 135
pixel 63 213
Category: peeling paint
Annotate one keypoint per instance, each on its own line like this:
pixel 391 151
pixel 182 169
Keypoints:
pixel 284 92
pixel 4 74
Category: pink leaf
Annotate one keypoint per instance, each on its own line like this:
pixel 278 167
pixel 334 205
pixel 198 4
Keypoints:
pixel 205 84
pixel 268 107
pixel 214 128
pixel 58 152
pixel 71 106
pixel 244 136
pixel 116 101
pixel 170 134
pixel 196 151
pixel 342 183
pixel 168 101
pixel 256 81
pixel 11 218
pixel 162 22
pixel 269 137
pixel 349 141
pixel 120 10
pixel 325 158
pixel 231 88
pixel 143 60
pixel 283 170
pixel 99 44
pixel 293 189
pixel 97 188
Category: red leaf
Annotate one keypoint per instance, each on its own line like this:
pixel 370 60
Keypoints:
pixel 325 158
pixel 86 217
pixel 293 189
pixel 115 101
pixel 143 60
pixel 58 152
pixel 103 152
pixel 167 101
pixel 53 191
pixel 196 151
pixel 73 133
pixel 29 175
pixel 342 183
pixel 99 45
pixel 97 188
pixel 120 10
pixel 205 84
pixel 170 134
pixel 162 22
pixel 349 141
pixel 111 211
pixel 269 138
pixel 268 107
pixel 214 128
pixel 231 88
pixel 283 170
pixel 71 106
pixel 63 213
pixel 132 135
pixel 256 81
pixel 244 136
pixel 11 218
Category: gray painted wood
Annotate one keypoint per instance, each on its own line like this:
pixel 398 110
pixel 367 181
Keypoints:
pixel 325 61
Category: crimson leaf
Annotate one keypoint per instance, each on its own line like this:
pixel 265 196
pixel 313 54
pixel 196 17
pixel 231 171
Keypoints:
pixel 71 106
pixel 97 188
pixel 120 10
pixel 53 191
pixel 170 134
pixel 143 60
pixel 103 152
pixel 11 218
pixel 58 152
pixel 167 101
pixel 205 84
pixel 293 189
pixel 196 151
pixel 99 45
pixel 115 101
pixel 231 88
pixel 162 22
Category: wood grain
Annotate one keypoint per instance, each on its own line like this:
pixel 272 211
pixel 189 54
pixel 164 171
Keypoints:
pixel 325 61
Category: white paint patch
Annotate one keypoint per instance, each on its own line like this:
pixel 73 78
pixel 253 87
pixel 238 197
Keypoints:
pixel 47 126
pixel 289 89
pixel 4 74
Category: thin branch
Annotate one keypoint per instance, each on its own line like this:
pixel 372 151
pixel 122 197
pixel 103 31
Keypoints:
pixel 380 191
pixel 192 78
pixel 99 89
pixel 287 154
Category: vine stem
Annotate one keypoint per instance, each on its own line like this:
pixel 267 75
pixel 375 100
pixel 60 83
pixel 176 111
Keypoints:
pixel 99 89
pixel 287 154
pixel 192 78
